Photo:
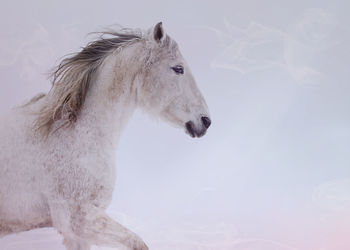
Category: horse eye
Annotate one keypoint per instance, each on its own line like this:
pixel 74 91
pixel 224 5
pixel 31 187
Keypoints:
pixel 178 69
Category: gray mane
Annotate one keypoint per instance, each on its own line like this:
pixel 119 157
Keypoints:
pixel 72 77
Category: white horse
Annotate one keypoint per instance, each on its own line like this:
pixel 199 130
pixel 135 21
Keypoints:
pixel 57 152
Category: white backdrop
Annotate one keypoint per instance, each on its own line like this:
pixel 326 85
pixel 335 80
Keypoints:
pixel 273 171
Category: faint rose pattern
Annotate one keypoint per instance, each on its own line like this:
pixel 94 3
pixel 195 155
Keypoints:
pixel 296 49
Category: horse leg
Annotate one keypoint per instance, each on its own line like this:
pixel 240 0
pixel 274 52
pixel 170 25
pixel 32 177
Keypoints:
pixel 75 244
pixel 85 227
pixel 18 227
pixel 4 230
pixel 102 230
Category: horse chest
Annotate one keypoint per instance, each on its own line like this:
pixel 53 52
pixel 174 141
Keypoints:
pixel 86 177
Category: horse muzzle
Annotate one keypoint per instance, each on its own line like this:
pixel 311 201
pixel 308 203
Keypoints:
pixel 198 132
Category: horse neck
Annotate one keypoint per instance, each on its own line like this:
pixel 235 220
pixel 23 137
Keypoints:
pixel 110 101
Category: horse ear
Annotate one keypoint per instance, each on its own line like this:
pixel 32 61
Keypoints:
pixel 158 32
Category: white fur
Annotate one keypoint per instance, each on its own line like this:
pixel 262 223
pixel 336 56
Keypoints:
pixel 66 180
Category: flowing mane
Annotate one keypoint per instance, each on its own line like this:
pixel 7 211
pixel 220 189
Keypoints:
pixel 71 79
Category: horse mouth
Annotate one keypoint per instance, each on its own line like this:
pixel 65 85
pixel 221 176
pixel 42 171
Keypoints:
pixel 191 130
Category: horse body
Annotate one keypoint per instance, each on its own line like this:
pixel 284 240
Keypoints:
pixel 66 178
pixel 21 206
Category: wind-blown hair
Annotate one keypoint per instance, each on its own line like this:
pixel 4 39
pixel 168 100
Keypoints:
pixel 72 77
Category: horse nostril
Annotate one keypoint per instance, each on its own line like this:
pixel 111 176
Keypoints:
pixel 206 121
pixel 190 128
